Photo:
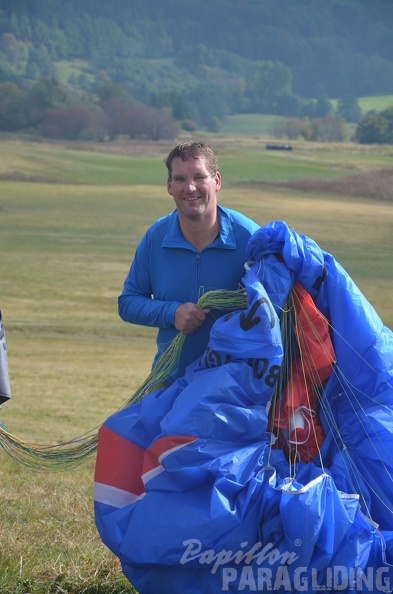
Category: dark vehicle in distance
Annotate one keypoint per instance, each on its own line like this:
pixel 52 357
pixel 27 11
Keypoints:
pixel 279 147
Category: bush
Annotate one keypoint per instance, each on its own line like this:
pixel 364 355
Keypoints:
pixel 66 123
pixel 373 129
pixel 188 125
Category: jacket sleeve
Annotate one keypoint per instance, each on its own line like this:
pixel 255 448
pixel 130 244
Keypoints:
pixel 136 303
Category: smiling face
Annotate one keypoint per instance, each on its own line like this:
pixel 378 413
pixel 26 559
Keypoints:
pixel 193 188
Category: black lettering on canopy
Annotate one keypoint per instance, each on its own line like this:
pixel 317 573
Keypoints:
pixel 320 279
pixel 248 321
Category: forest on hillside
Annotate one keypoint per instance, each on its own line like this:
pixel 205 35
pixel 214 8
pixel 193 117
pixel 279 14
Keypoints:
pixel 202 60
pixel 335 48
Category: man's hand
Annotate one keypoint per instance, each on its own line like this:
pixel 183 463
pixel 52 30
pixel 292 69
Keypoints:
pixel 188 317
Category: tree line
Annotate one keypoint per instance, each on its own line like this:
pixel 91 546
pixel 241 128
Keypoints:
pixel 51 110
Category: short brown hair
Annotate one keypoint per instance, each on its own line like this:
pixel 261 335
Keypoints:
pixel 192 150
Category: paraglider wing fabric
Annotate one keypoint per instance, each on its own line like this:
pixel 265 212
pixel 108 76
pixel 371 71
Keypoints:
pixel 5 389
pixel 189 494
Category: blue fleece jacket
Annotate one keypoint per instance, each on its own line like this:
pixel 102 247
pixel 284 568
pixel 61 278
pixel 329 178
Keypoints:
pixel 168 271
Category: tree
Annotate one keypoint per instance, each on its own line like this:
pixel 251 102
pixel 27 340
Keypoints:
pixel 323 107
pixel 13 107
pixel 268 82
pixel 387 114
pixel 348 109
pixel 138 121
pixel 39 56
pixel 10 47
pixel 326 129
pixel 158 124
pixel 118 118
pixel 332 129
pixel 46 95
pixel 108 91
pixel 174 101
pixel 373 129
pixel 188 125
pixel 288 105
pixel 292 128
pixel 214 124
pixel 206 101
pixel 6 74
pixel 66 123
pixel 32 71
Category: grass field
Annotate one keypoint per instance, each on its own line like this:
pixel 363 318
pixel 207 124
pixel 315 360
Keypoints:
pixel 263 125
pixel 76 68
pixel 375 103
pixel 70 219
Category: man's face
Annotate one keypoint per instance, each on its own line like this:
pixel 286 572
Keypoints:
pixel 193 188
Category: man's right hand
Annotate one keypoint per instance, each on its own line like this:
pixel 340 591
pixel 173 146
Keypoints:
pixel 188 317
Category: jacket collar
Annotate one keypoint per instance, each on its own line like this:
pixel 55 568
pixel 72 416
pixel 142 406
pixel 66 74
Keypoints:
pixel 225 239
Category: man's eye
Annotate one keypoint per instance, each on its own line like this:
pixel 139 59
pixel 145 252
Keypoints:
pixel 196 179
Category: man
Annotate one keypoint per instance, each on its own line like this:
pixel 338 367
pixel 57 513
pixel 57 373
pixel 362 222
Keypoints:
pixel 197 248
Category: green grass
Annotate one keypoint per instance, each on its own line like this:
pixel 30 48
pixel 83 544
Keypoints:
pixel 66 68
pixel 378 103
pixel 66 248
pixel 108 165
pixel 249 124
pixel 262 125
pixel 56 164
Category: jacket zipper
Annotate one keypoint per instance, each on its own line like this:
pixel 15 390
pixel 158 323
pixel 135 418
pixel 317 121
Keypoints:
pixel 197 275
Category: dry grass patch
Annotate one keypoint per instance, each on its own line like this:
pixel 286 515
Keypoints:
pixel 378 186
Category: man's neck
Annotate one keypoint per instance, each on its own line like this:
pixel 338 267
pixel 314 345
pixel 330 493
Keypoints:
pixel 200 232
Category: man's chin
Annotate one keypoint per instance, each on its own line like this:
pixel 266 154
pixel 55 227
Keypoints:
pixel 193 213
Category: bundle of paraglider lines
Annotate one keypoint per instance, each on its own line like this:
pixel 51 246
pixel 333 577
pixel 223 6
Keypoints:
pixel 72 453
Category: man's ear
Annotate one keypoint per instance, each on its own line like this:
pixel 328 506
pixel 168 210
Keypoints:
pixel 169 187
pixel 217 178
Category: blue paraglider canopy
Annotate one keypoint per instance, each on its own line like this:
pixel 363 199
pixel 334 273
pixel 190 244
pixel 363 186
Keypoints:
pixel 268 465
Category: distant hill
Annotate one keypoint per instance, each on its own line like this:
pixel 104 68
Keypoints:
pixel 204 59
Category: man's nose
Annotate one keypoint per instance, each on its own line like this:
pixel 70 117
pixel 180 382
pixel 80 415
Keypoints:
pixel 189 184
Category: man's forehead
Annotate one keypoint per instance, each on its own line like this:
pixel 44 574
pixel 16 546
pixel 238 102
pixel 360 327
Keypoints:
pixel 190 164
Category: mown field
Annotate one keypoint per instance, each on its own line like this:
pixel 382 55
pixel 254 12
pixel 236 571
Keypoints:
pixel 264 125
pixel 70 219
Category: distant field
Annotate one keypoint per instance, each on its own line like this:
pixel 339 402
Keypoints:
pixel 241 159
pixel 377 103
pixel 67 68
pixel 263 125
pixel 70 219
pixel 249 124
